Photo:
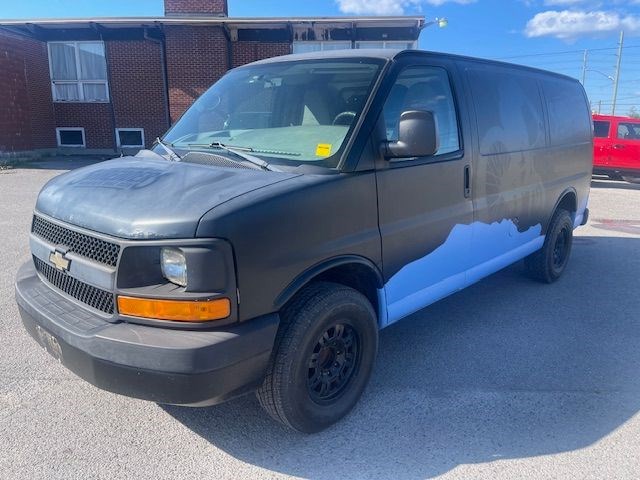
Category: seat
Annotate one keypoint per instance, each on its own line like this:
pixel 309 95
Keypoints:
pixel 316 108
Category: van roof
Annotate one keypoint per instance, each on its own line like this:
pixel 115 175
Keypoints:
pixel 391 54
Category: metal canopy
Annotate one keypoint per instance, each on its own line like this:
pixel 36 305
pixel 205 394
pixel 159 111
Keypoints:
pixel 405 28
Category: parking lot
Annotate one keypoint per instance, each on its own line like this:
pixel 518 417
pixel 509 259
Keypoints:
pixel 506 379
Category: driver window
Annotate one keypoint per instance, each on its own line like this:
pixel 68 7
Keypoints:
pixel 424 88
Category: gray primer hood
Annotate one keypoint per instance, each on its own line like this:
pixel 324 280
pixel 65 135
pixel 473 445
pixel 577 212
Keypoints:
pixel 145 198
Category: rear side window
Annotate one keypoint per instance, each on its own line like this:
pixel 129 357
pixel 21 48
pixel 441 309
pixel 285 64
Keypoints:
pixel 628 131
pixel 601 129
pixel 509 110
pixel 424 88
pixel 569 116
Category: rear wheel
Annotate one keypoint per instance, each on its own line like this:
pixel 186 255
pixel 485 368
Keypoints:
pixel 323 357
pixel 548 263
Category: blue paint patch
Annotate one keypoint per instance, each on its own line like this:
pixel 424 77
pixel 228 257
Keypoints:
pixel 470 253
pixel 579 215
pixel 501 261
pixel 383 315
pixel 449 259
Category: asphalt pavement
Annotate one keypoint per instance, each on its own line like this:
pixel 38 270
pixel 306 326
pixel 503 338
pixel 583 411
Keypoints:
pixel 506 379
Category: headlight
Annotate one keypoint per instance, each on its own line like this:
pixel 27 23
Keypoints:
pixel 174 266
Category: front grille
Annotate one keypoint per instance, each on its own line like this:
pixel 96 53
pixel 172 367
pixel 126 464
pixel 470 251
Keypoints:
pixel 85 245
pixel 90 295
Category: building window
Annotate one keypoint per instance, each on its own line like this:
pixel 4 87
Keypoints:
pixel 70 137
pixel 130 137
pixel 78 72
pixel 306 47
pixel 318 46
pixel 393 45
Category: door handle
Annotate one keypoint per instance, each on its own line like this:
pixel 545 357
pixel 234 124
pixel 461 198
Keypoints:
pixel 618 146
pixel 467 181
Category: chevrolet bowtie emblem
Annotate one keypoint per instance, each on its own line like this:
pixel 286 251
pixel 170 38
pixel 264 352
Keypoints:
pixel 59 260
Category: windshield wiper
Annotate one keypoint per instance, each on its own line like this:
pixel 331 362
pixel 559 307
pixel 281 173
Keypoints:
pixel 239 152
pixel 173 156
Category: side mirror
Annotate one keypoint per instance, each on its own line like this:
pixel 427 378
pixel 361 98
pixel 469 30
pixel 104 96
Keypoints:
pixel 417 136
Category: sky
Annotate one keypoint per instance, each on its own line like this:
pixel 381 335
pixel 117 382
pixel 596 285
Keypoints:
pixel 549 34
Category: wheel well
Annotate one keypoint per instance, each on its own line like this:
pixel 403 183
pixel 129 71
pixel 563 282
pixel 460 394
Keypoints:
pixel 357 276
pixel 568 202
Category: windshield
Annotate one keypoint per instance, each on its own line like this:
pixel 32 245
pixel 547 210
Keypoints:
pixel 286 113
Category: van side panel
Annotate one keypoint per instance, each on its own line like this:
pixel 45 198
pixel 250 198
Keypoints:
pixel 422 201
pixel 569 158
pixel 534 144
pixel 520 171
pixel 509 195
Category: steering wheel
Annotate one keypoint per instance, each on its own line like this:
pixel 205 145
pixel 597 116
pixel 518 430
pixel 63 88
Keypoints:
pixel 344 118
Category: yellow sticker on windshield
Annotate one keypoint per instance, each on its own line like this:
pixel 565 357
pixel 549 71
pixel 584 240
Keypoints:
pixel 323 149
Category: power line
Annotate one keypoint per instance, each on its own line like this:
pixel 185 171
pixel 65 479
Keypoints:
pixel 629 98
pixel 567 52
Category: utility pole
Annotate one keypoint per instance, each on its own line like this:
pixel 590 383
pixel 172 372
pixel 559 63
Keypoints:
pixel 617 79
pixel 584 67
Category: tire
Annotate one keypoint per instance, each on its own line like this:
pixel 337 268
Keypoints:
pixel 548 263
pixel 322 359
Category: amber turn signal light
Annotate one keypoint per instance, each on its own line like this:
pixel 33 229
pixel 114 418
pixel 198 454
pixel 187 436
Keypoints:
pixel 176 310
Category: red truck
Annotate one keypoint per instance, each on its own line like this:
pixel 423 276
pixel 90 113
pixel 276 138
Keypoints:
pixel 616 145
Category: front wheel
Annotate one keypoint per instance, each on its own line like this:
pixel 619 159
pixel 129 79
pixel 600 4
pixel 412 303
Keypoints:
pixel 548 263
pixel 322 359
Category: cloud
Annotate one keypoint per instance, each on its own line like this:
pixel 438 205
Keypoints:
pixel 583 4
pixel 570 24
pixel 562 3
pixel 389 7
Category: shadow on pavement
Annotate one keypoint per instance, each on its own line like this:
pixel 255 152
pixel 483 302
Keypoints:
pixel 507 368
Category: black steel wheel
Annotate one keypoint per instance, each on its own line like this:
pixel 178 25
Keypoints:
pixel 333 362
pixel 322 359
pixel 548 263
pixel 561 247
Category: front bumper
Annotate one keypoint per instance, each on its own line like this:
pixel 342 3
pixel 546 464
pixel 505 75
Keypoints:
pixel 182 367
pixel 585 217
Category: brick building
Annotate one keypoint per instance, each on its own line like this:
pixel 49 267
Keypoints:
pixel 108 84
